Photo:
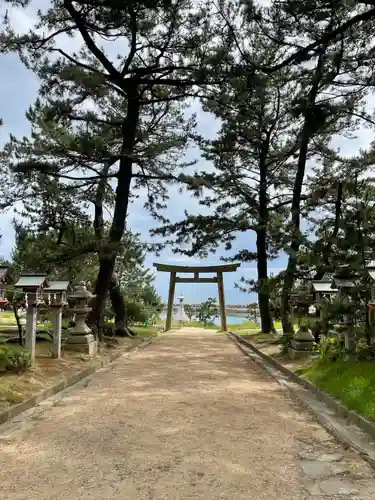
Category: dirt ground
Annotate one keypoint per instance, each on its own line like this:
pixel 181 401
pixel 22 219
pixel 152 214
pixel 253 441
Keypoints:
pixel 188 417
pixel 15 388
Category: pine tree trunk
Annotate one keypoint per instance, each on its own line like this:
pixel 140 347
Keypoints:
pixel 19 326
pixel 290 272
pixel 107 258
pixel 307 132
pixel 119 308
pixel 263 292
pixel 118 305
pixel 116 297
pixel 261 243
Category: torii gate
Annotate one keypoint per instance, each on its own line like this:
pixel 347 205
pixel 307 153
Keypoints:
pixel 196 270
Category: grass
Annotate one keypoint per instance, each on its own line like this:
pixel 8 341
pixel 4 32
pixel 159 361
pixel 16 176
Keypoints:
pixel 244 333
pixel 7 315
pixel 200 324
pixel 10 394
pixel 143 331
pixel 246 325
pixel 9 346
pixel 353 383
pixel 15 387
pixel 263 337
pixel 250 325
pixel 8 321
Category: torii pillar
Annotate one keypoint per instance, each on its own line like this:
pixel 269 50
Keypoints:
pixel 196 270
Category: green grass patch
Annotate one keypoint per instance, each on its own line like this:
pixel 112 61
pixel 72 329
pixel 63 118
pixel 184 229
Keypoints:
pixel 199 324
pixel 7 314
pixel 244 333
pixel 246 325
pixel 250 325
pixel 264 337
pixel 143 331
pixel 10 394
pixel 9 347
pixel 353 383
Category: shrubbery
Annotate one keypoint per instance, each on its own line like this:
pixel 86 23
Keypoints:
pixel 331 348
pixel 14 358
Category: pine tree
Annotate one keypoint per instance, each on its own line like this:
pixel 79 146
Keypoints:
pixel 324 106
pixel 249 190
pixel 120 113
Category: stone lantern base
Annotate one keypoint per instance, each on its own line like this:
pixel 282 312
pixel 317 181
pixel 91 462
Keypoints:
pixel 302 345
pixel 294 353
pixel 84 343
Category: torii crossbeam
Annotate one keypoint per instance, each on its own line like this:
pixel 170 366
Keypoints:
pixel 196 271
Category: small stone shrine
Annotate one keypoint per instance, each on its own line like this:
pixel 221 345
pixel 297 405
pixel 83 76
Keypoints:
pixel 32 284
pixel 55 295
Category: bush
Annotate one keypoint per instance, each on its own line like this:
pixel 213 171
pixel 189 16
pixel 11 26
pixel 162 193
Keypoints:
pixel 365 352
pixel 304 324
pixel 331 348
pixel 135 312
pixel 14 358
pixel 109 315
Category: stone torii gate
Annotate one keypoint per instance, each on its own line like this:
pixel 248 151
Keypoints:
pixel 196 270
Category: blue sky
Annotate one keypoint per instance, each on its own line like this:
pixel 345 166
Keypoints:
pixel 18 89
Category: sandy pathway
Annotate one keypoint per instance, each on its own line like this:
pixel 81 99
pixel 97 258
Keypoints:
pixel 189 417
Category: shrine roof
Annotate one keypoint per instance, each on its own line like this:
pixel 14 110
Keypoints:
pixel 323 286
pixel 57 286
pixel 31 280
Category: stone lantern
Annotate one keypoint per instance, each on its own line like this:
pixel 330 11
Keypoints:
pixel 32 284
pixel 323 290
pixel 5 279
pixel 346 281
pixel 301 300
pixel 80 337
pixel 181 315
pixel 56 299
pixel 303 341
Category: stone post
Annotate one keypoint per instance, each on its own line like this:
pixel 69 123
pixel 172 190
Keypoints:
pixel 55 298
pixel 57 325
pixel 80 337
pixel 31 315
pixel 349 339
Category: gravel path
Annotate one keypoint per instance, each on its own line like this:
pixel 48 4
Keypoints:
pixel 189 417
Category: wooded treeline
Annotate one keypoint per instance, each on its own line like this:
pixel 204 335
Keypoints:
pixel 284 80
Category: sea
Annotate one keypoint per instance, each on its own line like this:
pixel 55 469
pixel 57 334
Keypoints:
pixel 231 320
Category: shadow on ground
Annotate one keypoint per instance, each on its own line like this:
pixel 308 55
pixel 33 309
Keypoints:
pixel 189 417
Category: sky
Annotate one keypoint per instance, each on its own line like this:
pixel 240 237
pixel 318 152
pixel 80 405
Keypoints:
pixel 18 90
